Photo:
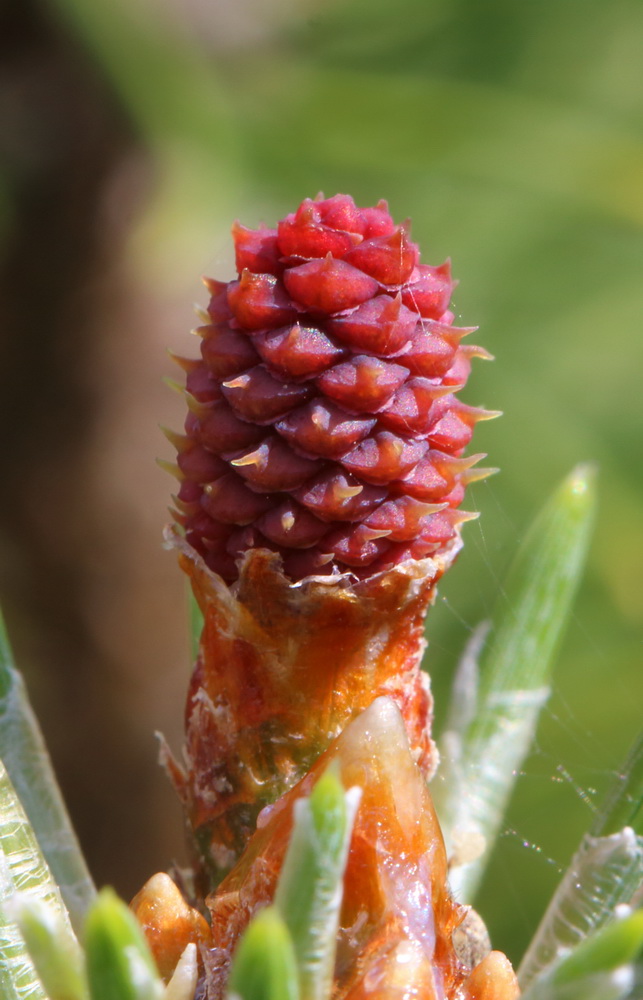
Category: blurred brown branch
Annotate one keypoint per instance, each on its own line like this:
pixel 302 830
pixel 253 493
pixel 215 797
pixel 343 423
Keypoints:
pixel 65 143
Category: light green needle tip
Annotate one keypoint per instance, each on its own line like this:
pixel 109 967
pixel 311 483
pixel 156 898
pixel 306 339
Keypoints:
pixel 264 966
pixel 119 963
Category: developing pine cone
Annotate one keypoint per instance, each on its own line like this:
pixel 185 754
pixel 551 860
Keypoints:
pixel 325 422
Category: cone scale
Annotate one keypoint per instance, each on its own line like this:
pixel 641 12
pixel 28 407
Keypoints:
pixel 325 423
pixel 321 474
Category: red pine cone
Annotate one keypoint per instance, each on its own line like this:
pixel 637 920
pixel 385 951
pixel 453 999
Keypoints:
pixel 324 422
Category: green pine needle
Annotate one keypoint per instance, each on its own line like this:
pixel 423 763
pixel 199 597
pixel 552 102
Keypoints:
pixel 624 802
pixel 482 760
pixel 55 953
pixel 119 963
pixel 22 870
pixel 23 752
pixel 598 968
pixel 309 893
pixel 605 872
pixel 264 966
pixel 615 945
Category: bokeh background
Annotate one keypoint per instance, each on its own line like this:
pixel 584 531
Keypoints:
pixel 133 133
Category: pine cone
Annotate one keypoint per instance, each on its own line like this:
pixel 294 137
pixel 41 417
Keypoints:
pixel 323 427
pixel 324 423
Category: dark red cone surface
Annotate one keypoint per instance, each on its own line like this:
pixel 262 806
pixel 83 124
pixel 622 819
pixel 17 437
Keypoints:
pixel 324 422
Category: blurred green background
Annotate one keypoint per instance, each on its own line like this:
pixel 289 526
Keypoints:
pixel 511 131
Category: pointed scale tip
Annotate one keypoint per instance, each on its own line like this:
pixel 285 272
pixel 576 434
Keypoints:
pixel 457 518
pixel 463 516
pixel 460 464
pixel 372 534
pixel 184 506
pixel 195 406
pixel 170 467
pixel 477 475
pixel 288 521
pixel 172 384
pixel 237 383
pixel 448 390
pixel 475 351
pixel 482 414
pixel 202 313
pixel 186 364
pixel 178 441
pixel 255 457
pixel 212 285
pixel 177 516
pixel 346 492
pixel 424 509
